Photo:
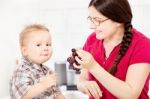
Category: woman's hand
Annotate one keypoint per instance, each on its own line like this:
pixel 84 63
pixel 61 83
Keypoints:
pixel 85 59
pixel 90 88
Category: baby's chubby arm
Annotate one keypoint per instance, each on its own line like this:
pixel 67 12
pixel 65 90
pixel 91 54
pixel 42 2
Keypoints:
pixel 61 96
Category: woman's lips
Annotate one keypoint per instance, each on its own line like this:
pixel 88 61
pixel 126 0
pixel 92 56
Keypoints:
pixel 98 32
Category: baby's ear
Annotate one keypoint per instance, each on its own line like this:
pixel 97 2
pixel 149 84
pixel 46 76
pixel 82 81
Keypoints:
pixel 24 50
pixel 17 62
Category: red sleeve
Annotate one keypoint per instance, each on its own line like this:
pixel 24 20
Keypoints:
pixel 141 53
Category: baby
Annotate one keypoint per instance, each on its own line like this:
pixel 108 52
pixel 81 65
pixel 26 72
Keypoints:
pixel 33 80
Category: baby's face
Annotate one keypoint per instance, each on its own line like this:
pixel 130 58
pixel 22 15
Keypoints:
pixel 38 47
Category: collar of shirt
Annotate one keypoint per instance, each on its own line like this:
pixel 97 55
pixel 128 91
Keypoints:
pixel 26 61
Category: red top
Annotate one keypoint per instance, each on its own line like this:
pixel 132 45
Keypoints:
pixel 138 52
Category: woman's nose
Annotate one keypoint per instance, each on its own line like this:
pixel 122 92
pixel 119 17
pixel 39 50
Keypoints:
pixel 92 25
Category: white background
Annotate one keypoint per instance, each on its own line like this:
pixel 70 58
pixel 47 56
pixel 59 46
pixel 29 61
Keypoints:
pixel 66 20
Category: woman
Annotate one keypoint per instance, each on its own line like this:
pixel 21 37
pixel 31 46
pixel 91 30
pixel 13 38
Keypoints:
pixel 115 59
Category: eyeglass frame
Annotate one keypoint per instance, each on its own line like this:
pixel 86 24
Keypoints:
pixel 97 19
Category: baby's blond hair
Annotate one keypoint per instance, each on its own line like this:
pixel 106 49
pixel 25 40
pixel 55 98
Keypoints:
pixel 28 29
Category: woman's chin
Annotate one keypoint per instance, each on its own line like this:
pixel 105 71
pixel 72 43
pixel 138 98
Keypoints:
pixel 98 36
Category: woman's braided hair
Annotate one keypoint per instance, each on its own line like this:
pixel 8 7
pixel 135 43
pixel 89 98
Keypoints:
pixel 123 48
pixel 118 11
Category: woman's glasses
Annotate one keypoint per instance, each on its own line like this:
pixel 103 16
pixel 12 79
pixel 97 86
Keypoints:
pixel 97 21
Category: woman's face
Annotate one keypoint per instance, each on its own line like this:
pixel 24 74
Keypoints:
pixel 104 27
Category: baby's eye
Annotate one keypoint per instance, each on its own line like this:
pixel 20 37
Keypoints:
pixel 37 44
pixel 48 44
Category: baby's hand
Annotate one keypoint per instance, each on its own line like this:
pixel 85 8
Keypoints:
pixel 49 80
